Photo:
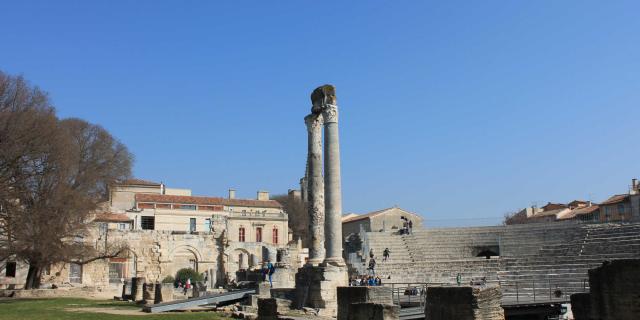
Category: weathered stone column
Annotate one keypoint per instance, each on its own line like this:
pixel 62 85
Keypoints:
pixel 325 96
pixel 315 189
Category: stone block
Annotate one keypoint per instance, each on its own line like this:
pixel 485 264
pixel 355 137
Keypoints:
pixel 267 309
pixel 615 288
pixel 350 295
pixel 148 291
pixel 316 287
pixel 581 306
pixel 264 289
pixel 464 303
pixel 137 288
pixel 283 293
pixel 373 311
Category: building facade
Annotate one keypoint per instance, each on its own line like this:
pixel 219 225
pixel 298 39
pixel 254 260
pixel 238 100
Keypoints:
pixel 167 229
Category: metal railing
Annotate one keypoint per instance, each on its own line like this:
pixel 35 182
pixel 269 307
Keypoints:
pixel 407 294
pixel 537 290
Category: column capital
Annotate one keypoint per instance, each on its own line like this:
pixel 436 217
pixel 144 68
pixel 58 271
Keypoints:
pixel 330 113
pixel 313 122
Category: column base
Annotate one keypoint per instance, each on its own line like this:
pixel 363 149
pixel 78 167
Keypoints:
pixel 317 287
pixel 334 261
pixel 314 262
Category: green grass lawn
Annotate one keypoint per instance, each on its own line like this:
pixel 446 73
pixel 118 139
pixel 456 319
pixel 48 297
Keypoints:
pixel 59 309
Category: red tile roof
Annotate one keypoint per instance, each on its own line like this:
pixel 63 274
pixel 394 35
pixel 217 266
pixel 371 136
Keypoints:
pixel 163 198
pixel 616 199
pixel 111 217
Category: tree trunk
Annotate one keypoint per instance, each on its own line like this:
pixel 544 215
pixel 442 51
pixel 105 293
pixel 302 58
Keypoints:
pixel 33 277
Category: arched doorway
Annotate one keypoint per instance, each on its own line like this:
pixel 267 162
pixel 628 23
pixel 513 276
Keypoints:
pixel 185 257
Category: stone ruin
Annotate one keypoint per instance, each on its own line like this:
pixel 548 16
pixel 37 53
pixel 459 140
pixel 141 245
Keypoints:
pixel 464 303
pixel 614 292
pixel 317 282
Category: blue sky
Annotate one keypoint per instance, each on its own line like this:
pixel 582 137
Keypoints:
pixel 460 111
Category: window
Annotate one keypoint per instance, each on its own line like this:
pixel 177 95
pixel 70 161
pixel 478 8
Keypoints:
pixel 116 271
pixel 103 228
pixel 275 235
pixel 258 234
pixel 10 269
pixel 192 224
pixel 123 226
pixel 207 225
pixel 620 208
pixel 75 273
pixel 147 222
pixel 241 234
pixel 185 206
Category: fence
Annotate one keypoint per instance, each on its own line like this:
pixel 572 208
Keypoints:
pixel 538 291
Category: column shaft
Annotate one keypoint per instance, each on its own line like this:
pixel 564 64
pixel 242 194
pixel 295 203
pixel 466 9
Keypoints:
pixel 332 187
pixel 315 191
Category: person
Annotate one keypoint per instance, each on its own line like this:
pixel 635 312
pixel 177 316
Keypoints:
pixel 385 254
pixel 372 282
pixel 371 253
pixel 372 266
pixel 458 279
pixel 378 281
pixel 272 270
pixel 263 272
pixel 410 227
pixel 188 286
pixel 405 227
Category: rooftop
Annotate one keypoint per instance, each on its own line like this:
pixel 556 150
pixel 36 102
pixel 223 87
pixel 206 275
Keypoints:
pixel 616 199
pixel 111 217
pixel 353 217
pixel 162 198
pixel 139 182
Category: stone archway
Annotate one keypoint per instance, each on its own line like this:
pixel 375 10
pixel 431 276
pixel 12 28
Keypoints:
pixel 185 257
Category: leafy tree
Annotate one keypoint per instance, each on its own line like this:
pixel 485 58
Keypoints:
pixel 53 176
pixel 187 273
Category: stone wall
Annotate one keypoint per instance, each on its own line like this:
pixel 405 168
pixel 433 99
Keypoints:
pixel 614 292
pixel 373 311
pixel 464 303
pixel 349 295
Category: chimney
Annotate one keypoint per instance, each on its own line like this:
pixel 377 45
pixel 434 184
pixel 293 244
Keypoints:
pixel 263 195
pixel 232 193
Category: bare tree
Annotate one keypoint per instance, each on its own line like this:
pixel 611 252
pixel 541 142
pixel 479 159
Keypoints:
pixel 298 216
pixel 53 175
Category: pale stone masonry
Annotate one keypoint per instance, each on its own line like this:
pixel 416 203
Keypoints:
pixel 324 112
pixel 332 186
pixel 316 284
pixel 316 204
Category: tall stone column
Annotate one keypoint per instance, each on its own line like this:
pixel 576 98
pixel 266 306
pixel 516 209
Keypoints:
pixel 332 180
pixel 315 192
